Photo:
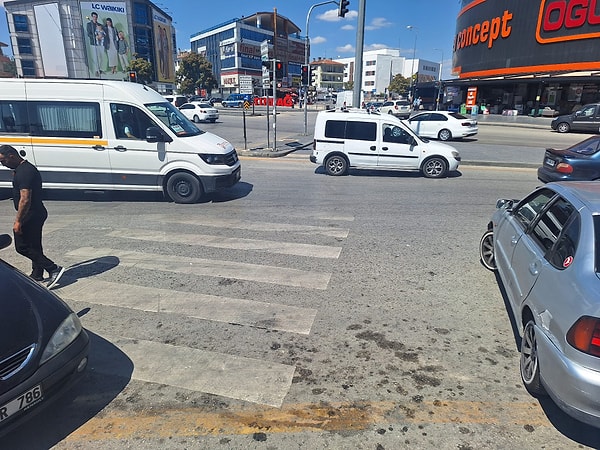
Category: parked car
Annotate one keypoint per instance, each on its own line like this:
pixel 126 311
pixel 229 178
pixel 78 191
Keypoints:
pixel 545 251
pixel 398 108
pixel 353 137
pixel 443 125
pixel 43 347
pixel 214 100
pixel 176 100
pixel 586 119
pixel 236 100
pixel 580 162
pixel 199 112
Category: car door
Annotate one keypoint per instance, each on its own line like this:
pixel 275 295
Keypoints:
pixel 397 147
pixel 360 140
pixel 133 160
pixel 586 119
pixel 422 125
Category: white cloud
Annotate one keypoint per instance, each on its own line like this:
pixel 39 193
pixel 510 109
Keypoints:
pixel 317 40
pixel 345 49
pixel 332 16
pixel 348 27
pixel 375 47
pixel 377 23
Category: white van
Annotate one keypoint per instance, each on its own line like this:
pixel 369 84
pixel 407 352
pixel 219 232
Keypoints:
pixel 352 137
pixel 111 135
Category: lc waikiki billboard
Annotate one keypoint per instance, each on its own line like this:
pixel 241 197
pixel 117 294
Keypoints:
pixel 506 37
pixel 163 46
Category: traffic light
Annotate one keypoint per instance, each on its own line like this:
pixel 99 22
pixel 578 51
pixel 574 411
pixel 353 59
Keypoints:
pixel 343 9
pixel 278 70
pixel 305 74
pixel 132 76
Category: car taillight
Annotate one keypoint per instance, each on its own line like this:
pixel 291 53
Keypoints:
pixel 564 168
pixel 466 124
pixel 584 335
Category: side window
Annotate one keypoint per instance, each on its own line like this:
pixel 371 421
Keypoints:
pixel 589 111
pixel 527 210
pixel 335 129
pixel 395 134
pixel 421 118
pixel 361 131
pixel 13 117
pixel 65 119
pixel 438 117
pixel 130 122
pixel 565 249
pixel 551 223
pixel 187 106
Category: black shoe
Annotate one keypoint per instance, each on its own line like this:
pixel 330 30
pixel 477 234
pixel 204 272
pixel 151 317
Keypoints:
pixel 55 276
pixel 37 275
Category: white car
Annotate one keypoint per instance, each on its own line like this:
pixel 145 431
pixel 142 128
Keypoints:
pixel 398 108
pixel 442 125
pixel 199 112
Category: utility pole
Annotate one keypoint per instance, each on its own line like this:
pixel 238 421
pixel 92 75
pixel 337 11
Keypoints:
pixel 358 61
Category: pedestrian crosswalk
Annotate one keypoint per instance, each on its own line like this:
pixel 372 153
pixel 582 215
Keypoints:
pixel 145 249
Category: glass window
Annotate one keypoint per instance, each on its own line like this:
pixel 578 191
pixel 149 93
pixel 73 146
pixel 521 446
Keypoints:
pixel 395 134
pixel 597 243
pixel 28 68
pixel 21 24
pixel 421 117
pixel 438 117
pixel 548 228
pixel 335 129
pixel 361 131
pixel 140 14
pixel 24 45
pixel 527 210
pixel 13 117
pixel 65 119
pixel 168 114
pixel 587 147
pixel 565 249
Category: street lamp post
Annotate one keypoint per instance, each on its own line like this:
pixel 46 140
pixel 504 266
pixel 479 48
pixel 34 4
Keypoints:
pixel 412 69
pixel 437 106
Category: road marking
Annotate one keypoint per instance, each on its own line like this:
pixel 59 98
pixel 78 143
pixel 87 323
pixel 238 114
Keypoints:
pixel 309 417
pixel 284 248
pixel 208 307
pixel 269 227
pixel 247 379
pixel 214 268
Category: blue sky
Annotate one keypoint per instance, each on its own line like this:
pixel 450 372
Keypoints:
pixel 386 22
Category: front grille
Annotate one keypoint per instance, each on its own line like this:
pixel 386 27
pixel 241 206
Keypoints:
pixel 231 158
pixel 16 362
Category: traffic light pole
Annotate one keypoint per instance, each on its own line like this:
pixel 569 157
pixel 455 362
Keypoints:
pixel 274 63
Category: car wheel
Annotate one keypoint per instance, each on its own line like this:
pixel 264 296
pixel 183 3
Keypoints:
pixel 183 187
pixel 336 165
pixel 563 127
pixel 196 119
pixel 444 135
pixel 529 363
pixel 486 250
pixel 212 120
pixel 435 167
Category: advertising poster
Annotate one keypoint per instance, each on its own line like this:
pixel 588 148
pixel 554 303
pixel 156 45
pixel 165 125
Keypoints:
pixel 107 43
pixel 163 47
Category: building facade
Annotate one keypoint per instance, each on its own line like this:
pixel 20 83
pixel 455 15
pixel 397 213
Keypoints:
pixel 82 39
pixel 523 56
pixel 327 75
pixel 237 48
pixel 381 66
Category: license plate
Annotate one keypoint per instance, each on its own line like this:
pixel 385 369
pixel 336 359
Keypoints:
pixel 550 162
pixel 23 401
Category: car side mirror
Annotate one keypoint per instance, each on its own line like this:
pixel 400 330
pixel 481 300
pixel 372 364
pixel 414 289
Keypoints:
pixel 5 240
pixel 154 134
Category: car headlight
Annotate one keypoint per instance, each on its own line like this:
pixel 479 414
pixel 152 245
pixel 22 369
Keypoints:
pixel 455 154
pixel 211 159
pixel 66 333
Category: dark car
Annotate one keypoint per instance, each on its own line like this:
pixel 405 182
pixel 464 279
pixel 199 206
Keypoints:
pixel 43 348
pixel 214 100
pixel 586 119
pixel 580 162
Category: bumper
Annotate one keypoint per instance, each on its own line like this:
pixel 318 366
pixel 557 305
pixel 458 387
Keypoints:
pixel 574 388
pixel 212 184
pixel 546 176
pixel 55 377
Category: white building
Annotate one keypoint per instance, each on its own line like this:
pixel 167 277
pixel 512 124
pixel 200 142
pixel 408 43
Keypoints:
pixel 380 67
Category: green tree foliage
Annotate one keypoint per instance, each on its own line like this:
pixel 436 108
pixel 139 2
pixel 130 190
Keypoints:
pixel 195 72
pixel 399 85
pixel 143 69
pixel 349 85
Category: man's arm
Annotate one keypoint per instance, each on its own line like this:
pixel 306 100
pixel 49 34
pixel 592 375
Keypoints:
pixel 23 209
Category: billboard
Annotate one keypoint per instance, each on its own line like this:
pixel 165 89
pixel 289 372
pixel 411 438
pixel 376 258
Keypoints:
pixel 107 44
pixel 505 37
pixel 163 47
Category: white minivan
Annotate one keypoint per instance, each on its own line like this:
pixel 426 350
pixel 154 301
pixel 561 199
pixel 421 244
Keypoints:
pixel 347 138
pixel 111 135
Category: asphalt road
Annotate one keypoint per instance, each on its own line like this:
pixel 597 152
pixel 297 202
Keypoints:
pixel 295 310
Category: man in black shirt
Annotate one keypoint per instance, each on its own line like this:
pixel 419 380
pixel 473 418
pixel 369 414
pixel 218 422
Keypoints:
pixel 31 215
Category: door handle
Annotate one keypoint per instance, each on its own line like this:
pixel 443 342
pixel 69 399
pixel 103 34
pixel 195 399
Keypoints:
pixel 533 268
pixel 372 147
pixel 98 147
pixel 514 240
pixel 120 148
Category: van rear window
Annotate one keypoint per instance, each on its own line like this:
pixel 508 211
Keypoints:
pixel 346 129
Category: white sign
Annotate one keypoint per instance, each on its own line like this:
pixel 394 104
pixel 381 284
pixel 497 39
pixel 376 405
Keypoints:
pixel 246 84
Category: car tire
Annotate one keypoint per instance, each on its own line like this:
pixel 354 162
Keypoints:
pixel 336 165
pixel 212 120
pixel 196 119
pixel 563 127
pixel 444 135
pixel 528 362
pixel 434 167
pixel 486 250
pixel 183 187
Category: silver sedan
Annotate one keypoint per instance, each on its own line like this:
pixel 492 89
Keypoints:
pixel 546 251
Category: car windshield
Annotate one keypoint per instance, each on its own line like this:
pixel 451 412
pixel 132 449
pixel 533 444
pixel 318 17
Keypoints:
pixel 587 147
pixel 174 119
pixel 204 105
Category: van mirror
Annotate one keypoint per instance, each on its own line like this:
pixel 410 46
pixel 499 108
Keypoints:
pixel 154 134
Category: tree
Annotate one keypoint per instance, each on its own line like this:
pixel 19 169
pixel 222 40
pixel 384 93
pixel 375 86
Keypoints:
pixel 195 72
pixel 143 69
pixel 399 84
pixel 349 85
